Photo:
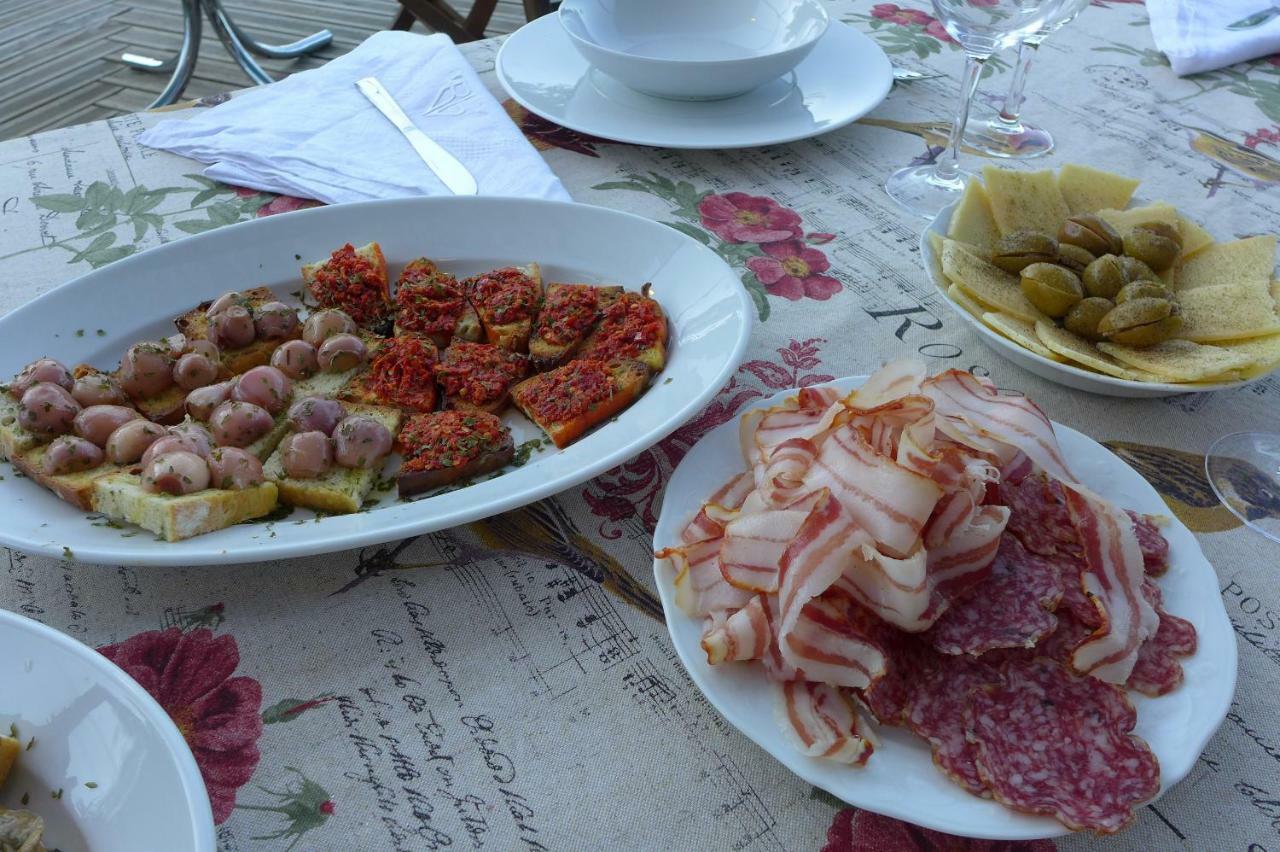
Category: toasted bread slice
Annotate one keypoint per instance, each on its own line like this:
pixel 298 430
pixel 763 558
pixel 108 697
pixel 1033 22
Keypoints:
pixel 354 280
pixel 447 446
pixel 507 301
pixel 571 399
pixel 632 327
pixel 479 376
pixel 568 314
pixel 340 491
pixel 400 375
pixel 433 303
pixel 195 325
pixel 14 439
pixel 75 488
pixel 121 497
pixel 9 749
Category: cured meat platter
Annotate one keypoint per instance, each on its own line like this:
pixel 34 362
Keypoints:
pixel 1061 658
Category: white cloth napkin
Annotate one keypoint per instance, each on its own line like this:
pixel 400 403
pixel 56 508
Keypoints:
pixel 1201 35
pixel 314 135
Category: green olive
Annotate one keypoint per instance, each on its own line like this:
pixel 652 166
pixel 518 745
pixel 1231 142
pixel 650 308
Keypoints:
pixel 1105 276
pixel 1143 289
pixel 1136 270
pixel 1018 250
pixel 1092 233
pixel 1085 315
pixel 1141 322
pixel 1156 244
pixel 1051 288
pixel 1074 257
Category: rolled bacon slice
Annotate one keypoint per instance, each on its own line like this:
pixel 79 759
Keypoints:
pixel 700 586
pixel 745 635
pixel 976 415
pixel 830 648
pixel 1113 576
pixel 822 721
pixel 886 499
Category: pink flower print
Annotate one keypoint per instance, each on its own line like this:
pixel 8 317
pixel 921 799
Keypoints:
pixel 790 269
pixel 736 217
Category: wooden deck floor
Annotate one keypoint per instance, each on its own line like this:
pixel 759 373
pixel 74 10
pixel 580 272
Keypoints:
pixel 60 61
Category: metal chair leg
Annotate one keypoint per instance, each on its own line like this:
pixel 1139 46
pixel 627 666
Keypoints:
pixel 185 62
pixel 292 50
pixel 223 28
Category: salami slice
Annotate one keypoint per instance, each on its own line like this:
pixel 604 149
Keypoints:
pixel 937 713
pixel 1074 601
pixel 1157 671
pixel 1038 517
pixel 1011 609
pixel 907 659
pixel 1155 547
pixel 1050 742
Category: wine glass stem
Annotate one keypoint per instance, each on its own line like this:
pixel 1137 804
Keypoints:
pixel 1010 114
pixel 949 167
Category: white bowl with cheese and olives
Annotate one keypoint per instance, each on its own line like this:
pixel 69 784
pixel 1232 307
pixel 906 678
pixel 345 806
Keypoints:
pixel 1069 278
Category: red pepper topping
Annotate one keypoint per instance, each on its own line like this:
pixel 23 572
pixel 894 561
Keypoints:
pixel 478 372
pixel 351 283
pixel 504 296
pixel 628 327
pixel 402 372
pixel 567 392
pixel 568 313
pixel 428 301
pixel 445 439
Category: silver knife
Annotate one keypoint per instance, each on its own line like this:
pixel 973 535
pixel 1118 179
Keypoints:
pixel 446 166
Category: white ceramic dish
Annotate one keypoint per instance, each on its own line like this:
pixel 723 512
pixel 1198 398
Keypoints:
pixel 706 50
pixel 845 77
pixel 901 780
pixel 94 724
pixel 1055 371
pixel 136 299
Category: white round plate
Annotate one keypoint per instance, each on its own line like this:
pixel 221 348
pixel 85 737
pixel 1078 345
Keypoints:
pixel 901 780
pixel 1055 371
pixel 94 724
pixel 845 77
pixel 710 318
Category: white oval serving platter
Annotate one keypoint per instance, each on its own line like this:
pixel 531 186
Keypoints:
pixel 137 298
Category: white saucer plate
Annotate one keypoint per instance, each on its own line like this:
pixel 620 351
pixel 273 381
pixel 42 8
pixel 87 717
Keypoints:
pixel 845 77
pixel 1059 372
pixel 93 724
pixel 901 780
pixel 96 317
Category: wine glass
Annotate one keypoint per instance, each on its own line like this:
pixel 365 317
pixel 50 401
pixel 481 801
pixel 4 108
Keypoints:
pixel 1004 134
pixel 982 27
pixel 1244 471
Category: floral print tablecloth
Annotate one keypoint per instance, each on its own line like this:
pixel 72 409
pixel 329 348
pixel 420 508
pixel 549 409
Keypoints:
pixel 510 684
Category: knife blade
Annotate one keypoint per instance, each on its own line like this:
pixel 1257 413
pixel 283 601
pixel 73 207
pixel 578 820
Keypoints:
pixel 447 167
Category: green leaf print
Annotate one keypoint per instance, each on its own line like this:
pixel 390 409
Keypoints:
pixel 691 231
pixel 59 202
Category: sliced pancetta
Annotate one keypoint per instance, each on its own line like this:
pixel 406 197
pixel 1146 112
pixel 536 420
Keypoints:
pixel 1113 576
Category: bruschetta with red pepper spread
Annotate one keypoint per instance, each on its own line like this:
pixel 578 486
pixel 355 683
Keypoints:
pixel 446 446
pixel 571 399
pixel 569 312
pixel 633 326
pixel 401 375
pixel 507 301
pixel 354 280
pixel 432 303
pixel 479 376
